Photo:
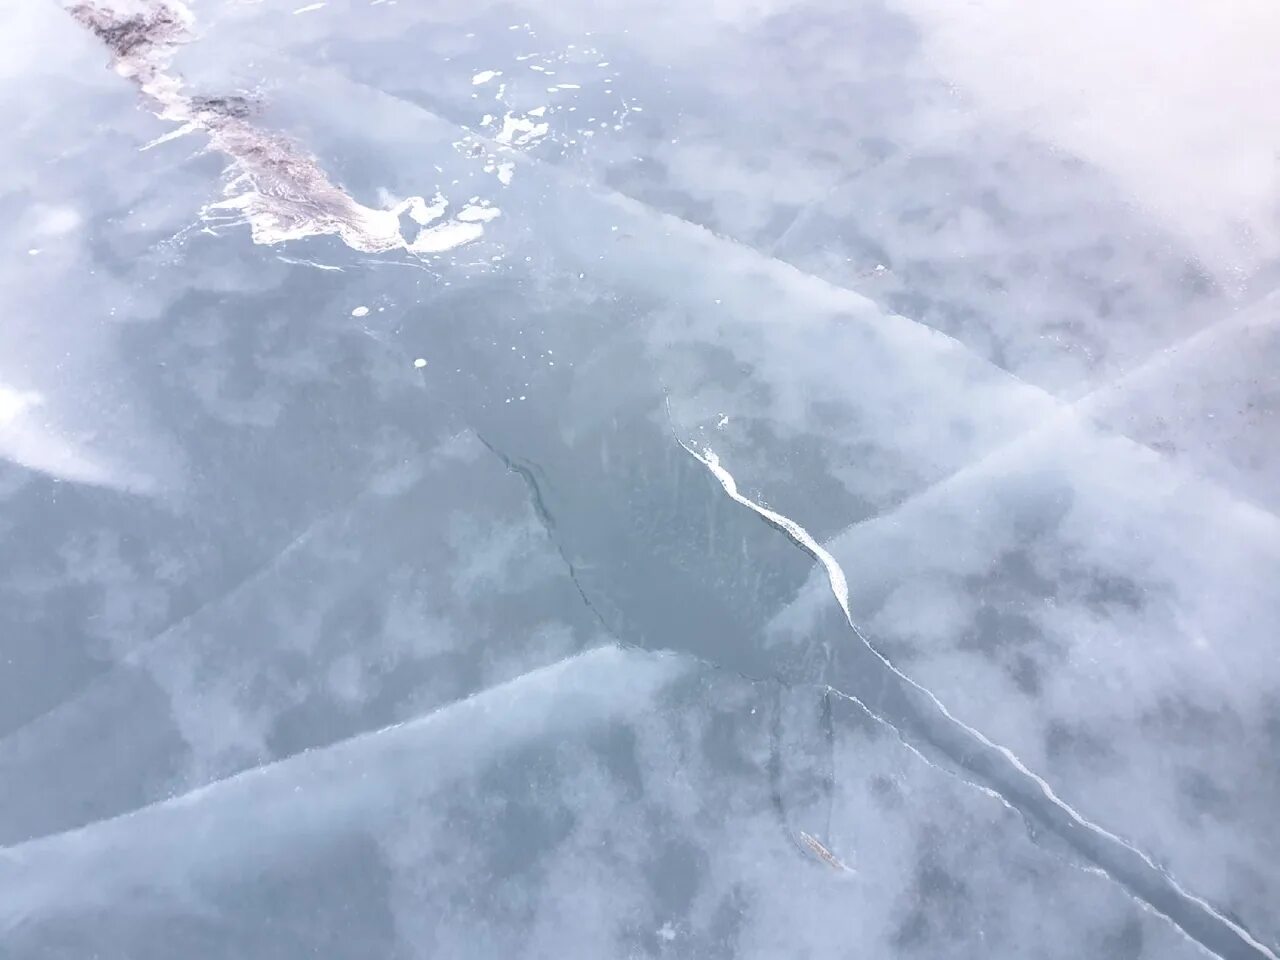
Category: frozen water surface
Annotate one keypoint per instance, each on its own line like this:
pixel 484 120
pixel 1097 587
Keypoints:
pixel 762 479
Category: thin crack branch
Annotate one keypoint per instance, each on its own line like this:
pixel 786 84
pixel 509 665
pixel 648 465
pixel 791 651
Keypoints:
pixel 138 653
pixel 1127 865
pixel 526 473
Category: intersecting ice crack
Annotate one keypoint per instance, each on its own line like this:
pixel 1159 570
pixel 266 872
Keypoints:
pixel 1221 930
pixel 142 45
pixel 525 473
pixel 173 630
pixel 807 843
pixel 1124 863
pixel 603 659
pixel 997 772
pixel 1088 404
pixel 1070 408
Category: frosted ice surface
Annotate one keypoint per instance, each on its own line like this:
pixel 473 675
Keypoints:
pixel 614 804
pixel 401 600
pixel 363 598
pixel 1011 227
pixel 1210 403
pixel 1109 616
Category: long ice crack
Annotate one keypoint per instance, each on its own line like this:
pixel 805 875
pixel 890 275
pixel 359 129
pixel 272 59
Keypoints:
pixel 1228 934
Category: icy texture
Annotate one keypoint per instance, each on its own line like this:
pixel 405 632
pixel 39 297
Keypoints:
pixel 364 598
pixel 1063 229
pixel 1108 617
pixel 388 606
pixel 611 805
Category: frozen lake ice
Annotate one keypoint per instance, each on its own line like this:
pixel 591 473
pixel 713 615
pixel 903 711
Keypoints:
pixel 771 478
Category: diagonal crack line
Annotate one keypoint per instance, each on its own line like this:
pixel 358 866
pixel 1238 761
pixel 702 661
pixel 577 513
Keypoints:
pixel 776 682
pixel 138 653
pixel 780 685
pixel 440 114
pixel 364 737
pixel 649 209
pixel 369 736
pixel 529 474
pixel 526 473
pixel 1008 776
pixel 1064 407
pixel 1254 313
pixel 806 212
pixel 770 257
pixel 1084 406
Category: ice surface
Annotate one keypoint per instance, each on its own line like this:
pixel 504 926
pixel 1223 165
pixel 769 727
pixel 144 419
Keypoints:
pixel 1018 222
pixel 615 804
pixel 364 598
pixel 403 599
pixel 1109 617
pixel 1212 403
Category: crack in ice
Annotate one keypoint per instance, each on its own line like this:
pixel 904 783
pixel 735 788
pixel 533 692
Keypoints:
pixel 840 588
pixel 525 473
pixel 604 660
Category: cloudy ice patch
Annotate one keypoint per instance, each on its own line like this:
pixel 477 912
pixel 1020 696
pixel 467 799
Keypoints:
pixel 56 221
pixel 29 439
pixel 484 76
pixel 13 403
